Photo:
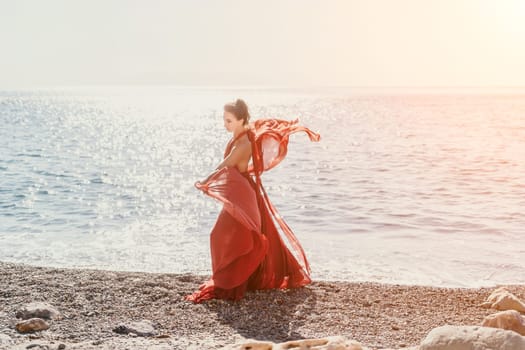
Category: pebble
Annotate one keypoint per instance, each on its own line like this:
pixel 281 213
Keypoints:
pixel 142 328
pixel 37 347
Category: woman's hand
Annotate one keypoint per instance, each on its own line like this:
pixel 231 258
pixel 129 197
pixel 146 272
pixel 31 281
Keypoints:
pixel 201 185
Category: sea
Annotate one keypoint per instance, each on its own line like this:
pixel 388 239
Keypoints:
pixel 417 187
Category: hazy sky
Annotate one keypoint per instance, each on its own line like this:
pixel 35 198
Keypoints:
pixel 284 42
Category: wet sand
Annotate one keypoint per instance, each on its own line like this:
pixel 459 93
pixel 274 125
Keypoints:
pixel 93 302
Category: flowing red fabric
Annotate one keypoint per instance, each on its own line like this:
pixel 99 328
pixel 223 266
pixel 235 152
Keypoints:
pixel 248 251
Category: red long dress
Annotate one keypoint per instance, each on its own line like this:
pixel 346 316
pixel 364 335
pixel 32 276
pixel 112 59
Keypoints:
pixel 247 250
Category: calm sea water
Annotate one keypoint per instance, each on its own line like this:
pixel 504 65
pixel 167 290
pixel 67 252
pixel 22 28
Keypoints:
pixel 403 188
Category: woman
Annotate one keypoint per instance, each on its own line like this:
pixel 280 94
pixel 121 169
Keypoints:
pixel 247 250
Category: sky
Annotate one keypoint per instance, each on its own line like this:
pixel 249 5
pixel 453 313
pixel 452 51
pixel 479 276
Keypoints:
pixel 367 43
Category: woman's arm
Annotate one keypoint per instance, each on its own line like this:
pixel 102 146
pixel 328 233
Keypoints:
pixel 237 154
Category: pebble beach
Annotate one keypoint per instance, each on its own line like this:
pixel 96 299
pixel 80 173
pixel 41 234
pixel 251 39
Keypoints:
pixel 92 304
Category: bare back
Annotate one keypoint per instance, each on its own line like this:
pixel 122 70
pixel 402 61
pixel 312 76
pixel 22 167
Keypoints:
pixel 243 151
pixel 237 154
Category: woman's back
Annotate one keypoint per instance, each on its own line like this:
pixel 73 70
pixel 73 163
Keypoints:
pixel 242 147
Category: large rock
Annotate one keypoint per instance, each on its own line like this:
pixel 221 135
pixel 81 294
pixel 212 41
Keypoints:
pixel 472 338
pixel 328 343
pixel 142 328
pixel 38 310
pixel 31 325
pixel 502 299
pixel 510 320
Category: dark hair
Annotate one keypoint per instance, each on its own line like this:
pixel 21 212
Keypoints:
pixel 239 109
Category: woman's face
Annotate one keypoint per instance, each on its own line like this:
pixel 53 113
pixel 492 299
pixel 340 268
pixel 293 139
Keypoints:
pixel 230 122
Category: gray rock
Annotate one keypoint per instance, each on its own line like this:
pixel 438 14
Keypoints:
pixel 142 328
pixel 472 338
pixel 39 310
pixel 37 347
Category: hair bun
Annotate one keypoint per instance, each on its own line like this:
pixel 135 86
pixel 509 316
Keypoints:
pixel 240 109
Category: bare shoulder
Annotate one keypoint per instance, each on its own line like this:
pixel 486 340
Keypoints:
pixel 243 143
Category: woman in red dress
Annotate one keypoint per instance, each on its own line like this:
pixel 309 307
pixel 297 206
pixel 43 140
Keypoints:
pixel 248 249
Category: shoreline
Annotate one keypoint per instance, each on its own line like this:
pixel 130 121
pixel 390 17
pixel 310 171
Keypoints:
pixel 196 275
pixel 93 302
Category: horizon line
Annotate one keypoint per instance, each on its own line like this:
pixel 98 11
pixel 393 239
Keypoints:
pixel 261 86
